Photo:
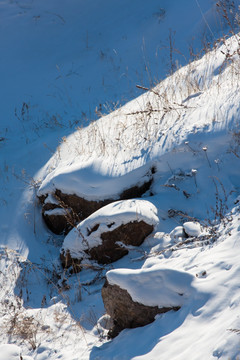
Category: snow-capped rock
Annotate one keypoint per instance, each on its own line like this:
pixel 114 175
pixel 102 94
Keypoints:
pixel 134 297
pixel 192 228
pixel 105 235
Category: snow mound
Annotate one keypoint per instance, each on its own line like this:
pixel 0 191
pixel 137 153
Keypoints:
pixel 192 228
pixel 189 228
pixel 177 233
pixel 85 180
pixel 155 286
pixel 12 352
pixel 88 233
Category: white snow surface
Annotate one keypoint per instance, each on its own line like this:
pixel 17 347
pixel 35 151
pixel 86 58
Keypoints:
pixel 108 218
pixel 171 115
pixel 57 211
pixel 12 352
pixel 9 352
pixel 85 180
pixel 155 286
pixel 61 65
pixel 192 228
pixel 177 233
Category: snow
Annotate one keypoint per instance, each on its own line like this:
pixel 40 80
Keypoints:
pixel 87 64
pixel 50 199
pixel 177 233
pixel 153 287
pixel 88 183
pixel 192 228
pixel 109 218
pixel 213 307
pixel 170 124
pixel 56 211
pixel 12 352
pixel 65 64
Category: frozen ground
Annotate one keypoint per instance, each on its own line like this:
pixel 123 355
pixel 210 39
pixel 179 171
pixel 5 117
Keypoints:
pixel 61 66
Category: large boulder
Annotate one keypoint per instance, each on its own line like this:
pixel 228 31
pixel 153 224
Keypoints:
pixel 127 313
pixel 61 212
pixel 134 297
pixel 105 235
pixel 62 208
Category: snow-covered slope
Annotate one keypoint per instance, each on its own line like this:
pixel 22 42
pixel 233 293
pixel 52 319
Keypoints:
pixel 207 326
pixel 173 127
pixel 11 352
pixel 59 62
pixel 65 60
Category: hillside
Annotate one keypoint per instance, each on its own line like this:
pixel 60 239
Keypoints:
pixel 163 166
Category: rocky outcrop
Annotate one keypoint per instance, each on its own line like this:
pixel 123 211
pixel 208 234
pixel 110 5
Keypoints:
pixel 125 312
pixel 78 208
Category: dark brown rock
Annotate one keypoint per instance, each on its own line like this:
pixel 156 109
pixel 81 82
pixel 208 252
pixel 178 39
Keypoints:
pixel 67 261
pixel 136 191
pixel 76 210
pixel 57 223
pixel 125 312
pixel 79 208
pixel 112 247
pixel 110 250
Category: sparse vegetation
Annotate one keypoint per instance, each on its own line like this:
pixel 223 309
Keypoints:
pixel 43 305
